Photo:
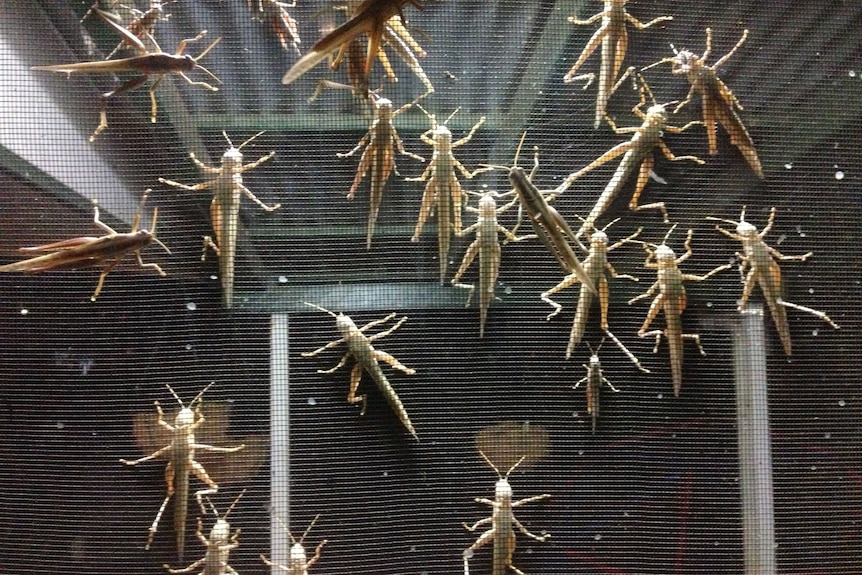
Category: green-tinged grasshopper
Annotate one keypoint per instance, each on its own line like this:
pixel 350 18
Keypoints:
pixel 227 189
pixel 549 225
pixel 719 103
pixel 148 64
pixel 219 545
pixel 502 520
pixel 443 190
pixel 613 36
pixel 763 270
pixel 298 563
pixel 366 358
pixel 672 300
pixel 84 252
pixel 488 249
pixel 380 143
pixel 594 379
pixel 597 267
pixel 638 159
pixel 182 463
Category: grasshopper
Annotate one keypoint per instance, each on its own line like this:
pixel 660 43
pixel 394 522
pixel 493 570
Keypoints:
pixel 638 159
pixel 366 357
pixel 549 225
pixel 182 463
pixel 596 266
pixel 398 37
pixel 85 251
pixel 488 249
pixel 594 380
pixel 219 545
pixel 380 143
pixel 298 563
pixel 443 190
pixel 613 36
pixel 763 270
pixel 371 18
pixel 502 519
pixel 227 190
pixel 719 102
pixel 672 300
pixel 148 64
pixel 275 15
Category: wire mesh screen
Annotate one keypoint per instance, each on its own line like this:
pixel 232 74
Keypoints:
pixel 742 458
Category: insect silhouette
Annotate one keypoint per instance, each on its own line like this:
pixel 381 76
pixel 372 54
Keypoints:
pixel 147 64
pixel 83 252
pixel 613 37
pixel 298 563
pixel 502 520
pixel 763 270
pixel 227 189
pixel 719 103
pixel 366 357
pixel 181 464
pixel 672 300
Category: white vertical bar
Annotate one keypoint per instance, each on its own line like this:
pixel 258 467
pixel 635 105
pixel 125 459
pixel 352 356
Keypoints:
pixel 755 450
pixel 279 421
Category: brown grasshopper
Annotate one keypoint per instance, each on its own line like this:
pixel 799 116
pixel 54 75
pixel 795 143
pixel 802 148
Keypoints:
pixel 298 563
pixel 638 159
pixel 488 249
pixel 595 379
pixel 380 143
pixel 396 36
pixel 366 357
pixel 613 36
pixel 597 267
pixel 182 463
pixel 502 519
pixel 83 252
pixel 763 270
pixel 719 102
pixel 549 225
pixel 148 64
pixel 219 545
pixel 672 300
pixel 275 15
pixel 370 17
pixel 443 191
pixel 227 190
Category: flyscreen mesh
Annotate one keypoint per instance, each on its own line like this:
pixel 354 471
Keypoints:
pixel 662 483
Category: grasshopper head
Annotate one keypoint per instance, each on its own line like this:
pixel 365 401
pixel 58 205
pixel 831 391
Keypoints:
pixel 384 109
pixel 656 116
pixel 220 532
pixel 502 490
pixel 297 554
pixel 746 230
pixel 344 325
pixel 664 256
pixel 599 239
pixel 442 139
pixel 684 62
pixel 487 206
pixel 185 417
